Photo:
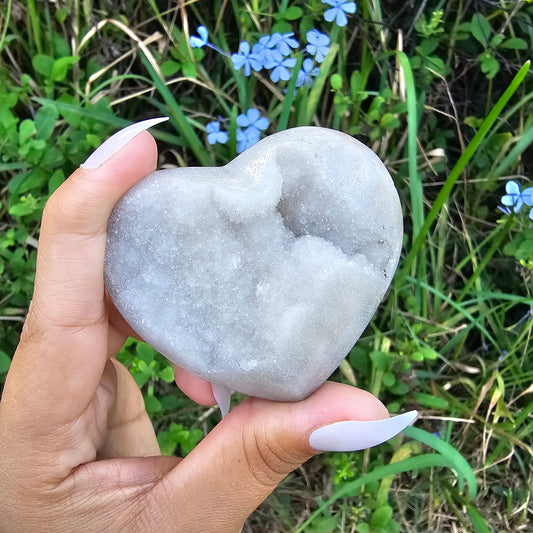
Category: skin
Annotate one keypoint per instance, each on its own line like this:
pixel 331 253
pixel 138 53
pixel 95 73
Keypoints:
pixel 77 449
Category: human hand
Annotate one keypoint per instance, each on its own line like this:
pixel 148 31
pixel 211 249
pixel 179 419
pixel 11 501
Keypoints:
pixel 77 449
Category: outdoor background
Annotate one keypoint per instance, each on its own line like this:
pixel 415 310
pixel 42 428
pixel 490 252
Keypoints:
pixel 442 91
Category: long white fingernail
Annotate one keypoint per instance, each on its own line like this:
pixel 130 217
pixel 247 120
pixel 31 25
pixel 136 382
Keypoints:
pixel 354 435
pixel 223 398
pixel 118 141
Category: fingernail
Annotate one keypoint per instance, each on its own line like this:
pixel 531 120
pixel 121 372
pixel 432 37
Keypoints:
pixel 354 435
pixel 223 398
pixel 118 141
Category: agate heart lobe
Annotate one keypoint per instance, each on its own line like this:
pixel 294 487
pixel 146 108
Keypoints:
pixel 262 274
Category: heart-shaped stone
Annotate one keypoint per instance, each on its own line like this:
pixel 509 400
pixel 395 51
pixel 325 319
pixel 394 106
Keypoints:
pixel 258 276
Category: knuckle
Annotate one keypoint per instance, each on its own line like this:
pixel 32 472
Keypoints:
pixel 268 458
pixel 74 208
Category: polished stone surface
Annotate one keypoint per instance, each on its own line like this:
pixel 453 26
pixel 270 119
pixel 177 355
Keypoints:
pixel 260 275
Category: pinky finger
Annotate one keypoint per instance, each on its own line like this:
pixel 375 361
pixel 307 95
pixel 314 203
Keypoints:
pixel 196 388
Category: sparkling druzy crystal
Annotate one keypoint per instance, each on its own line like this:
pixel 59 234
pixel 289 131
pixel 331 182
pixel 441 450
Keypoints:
pixel 258 276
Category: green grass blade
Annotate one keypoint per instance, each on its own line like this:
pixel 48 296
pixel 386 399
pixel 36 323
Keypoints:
pixel 35 25
pixel 245 84
pixel 457 170
pixel 525 140
pixel 289 97
pixel 406 465
pixel 314 96
pixel 5 24
pixel 499 235
pixel 514 298
pixel 108 119
pixel 416 192
pixel 14 166
pixel 480 526
pixel 99 88
pixel 458 307
pixel 460 464
pixel 178 116
pixel 415 183
pixel 468 258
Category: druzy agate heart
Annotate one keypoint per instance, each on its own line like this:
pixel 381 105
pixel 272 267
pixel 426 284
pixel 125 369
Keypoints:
pixel 258 276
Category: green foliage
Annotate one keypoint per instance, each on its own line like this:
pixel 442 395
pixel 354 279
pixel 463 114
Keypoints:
pixel 444 96
pixel 36 155
pixel 177 436
pixel 521 247
pixel 492 43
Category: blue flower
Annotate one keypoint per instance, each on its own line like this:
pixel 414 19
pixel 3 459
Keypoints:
pixel 246 138
pixel 338 11
pixel 516 197
pixel 318 45
pixel 199 42
pixel 214 133
pixel 203 40
pixel 280 67
pixel 262 44
pixel 271 57
pixel 246 59
pixel 307 73
pixel 283 43
pixel 253 119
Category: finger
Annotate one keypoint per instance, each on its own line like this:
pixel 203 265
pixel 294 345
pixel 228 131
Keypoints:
pixel 197 389
pixel 129 431
pixel 247 454
pixel 115 340
pixel 132 475
pixel 63 347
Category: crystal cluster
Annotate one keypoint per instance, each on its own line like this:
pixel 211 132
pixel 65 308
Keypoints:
pixel 260 275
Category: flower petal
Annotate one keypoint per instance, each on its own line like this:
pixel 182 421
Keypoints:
pixel 262 124
pixel 242 121
pixel 222 137
pixel 341 19
pixel 349 7
pixel 275 74
pixel 508 200
pixel 527 196
pixel 244 47
pixel 330 14
pixel 237 60
pixel 202 32
pixel 512 187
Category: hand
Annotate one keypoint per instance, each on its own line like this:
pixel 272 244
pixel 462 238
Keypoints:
pixel 77 449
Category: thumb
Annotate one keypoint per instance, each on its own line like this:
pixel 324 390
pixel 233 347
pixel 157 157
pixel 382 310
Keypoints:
pixel 253 448
pixel 63 348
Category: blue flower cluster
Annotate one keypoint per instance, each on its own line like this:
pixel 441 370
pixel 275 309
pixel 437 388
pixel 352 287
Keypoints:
pixel 250 125
pixel 273 53
pixel 517 198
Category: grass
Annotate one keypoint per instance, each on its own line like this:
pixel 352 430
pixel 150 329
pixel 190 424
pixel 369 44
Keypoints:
pixel 443 94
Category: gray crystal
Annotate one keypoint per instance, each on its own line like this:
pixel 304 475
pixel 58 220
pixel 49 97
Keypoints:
pixel 260 275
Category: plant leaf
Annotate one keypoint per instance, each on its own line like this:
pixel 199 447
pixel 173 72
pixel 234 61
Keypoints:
pixel 480 28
